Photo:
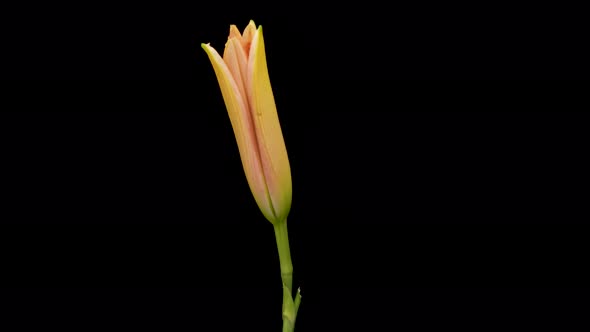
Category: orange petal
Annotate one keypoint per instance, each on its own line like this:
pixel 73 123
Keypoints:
pixel 234 32
pixel 248 35
pixel 239 115
pixel 237 63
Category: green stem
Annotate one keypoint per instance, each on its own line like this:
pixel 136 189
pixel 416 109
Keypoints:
pixel 282 238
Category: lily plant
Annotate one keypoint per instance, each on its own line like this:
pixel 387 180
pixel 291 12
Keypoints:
pixel 243 78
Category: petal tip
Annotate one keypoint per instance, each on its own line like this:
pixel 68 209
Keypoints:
pixel 234 31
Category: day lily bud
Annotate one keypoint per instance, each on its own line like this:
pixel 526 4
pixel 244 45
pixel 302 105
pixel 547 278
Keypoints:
pixel 245 85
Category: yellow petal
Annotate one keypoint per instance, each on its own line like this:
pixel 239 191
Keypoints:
pixel 273 153
pixel 239 115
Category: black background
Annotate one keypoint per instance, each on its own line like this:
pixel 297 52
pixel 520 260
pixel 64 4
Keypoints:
pixel 421 200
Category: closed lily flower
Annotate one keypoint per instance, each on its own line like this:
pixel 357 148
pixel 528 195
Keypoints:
pixel 243 77
pixel 245 85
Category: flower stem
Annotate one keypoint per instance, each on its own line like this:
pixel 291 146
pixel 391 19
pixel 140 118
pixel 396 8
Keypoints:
pixel 282 238
pixel 289 308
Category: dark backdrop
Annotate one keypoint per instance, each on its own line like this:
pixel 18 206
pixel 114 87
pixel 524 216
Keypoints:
pixel 420 201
